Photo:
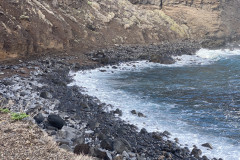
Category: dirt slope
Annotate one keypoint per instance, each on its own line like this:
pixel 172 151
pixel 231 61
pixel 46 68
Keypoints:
pixel 30 27
pixel 24 140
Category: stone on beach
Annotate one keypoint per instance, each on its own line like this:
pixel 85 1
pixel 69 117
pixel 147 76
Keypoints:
pixel 39 118
pixel 208 145
pixel 56 121
pixel 46 95
pixel 196 152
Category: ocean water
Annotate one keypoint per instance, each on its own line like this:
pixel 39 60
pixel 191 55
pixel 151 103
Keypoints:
pixel 197 99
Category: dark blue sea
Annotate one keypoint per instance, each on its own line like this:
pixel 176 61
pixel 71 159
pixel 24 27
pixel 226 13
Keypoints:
pixel 197 99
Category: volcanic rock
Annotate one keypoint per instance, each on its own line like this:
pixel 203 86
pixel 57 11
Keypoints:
pixel 56 121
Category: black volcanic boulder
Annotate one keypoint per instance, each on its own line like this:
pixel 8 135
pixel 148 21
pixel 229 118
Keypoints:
pixel 46 95
pixel 39 118
pixel 56 121
pixel 196 152
pixel 162 59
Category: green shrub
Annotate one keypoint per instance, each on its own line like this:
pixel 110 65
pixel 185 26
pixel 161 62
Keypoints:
pixel 18 116
pixel 4 110
pixel 89 3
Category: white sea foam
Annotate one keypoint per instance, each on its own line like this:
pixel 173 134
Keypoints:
pixel 96 84
pixel 204 57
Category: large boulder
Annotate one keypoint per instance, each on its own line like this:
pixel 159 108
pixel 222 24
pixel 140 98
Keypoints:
pixel 81 148
pixel 162 59
pixel 208 145
pixel 196 152
pixel 56 121
pixel 39 118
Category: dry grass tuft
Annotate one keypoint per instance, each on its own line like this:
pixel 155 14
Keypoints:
pixel 24 140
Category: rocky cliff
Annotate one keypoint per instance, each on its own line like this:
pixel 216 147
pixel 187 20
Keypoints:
pixel 29 27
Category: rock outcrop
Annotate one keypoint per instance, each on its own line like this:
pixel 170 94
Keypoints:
pixel 35 27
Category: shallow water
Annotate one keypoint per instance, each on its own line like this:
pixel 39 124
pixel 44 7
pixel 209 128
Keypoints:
pixel 197 99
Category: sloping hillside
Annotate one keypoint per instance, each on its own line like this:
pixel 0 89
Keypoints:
pixel 30 27
pixel 24 140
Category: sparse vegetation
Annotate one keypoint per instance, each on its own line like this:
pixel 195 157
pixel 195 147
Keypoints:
pixel 14 116
pixel 18 116
pixel 174 26
pixel 89 3
pixel 24 140
pixel 4 110
pixel 23 17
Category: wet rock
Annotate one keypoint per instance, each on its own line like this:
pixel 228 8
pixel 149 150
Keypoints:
pixel 186 149
pixel 56 121
pixel 196 152
pixel 39 118
pixel 163 59
pixel 134 112
pixel 140 114
pixel 157 136
pixel 204 158
pixel 208 145
pixel 176 140
pixel 118 111
pixel 107 144
pixel 121 145
pixel 166 134
pixel 143 131
pixel 102 70
pixel 46 95
pixel 81 148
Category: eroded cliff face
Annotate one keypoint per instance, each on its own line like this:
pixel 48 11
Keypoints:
pixel 30 27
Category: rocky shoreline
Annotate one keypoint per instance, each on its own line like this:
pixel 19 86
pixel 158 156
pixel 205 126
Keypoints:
pixel 80 123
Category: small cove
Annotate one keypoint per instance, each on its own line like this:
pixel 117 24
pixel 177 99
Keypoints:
pixel 197 99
